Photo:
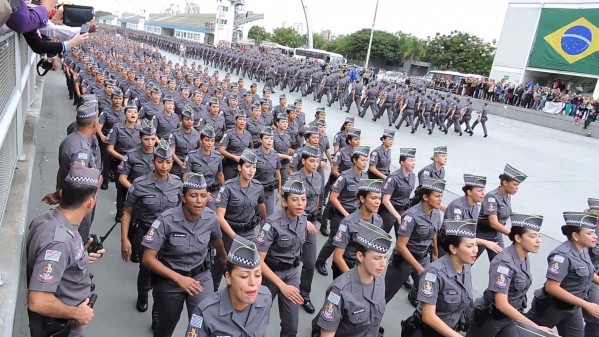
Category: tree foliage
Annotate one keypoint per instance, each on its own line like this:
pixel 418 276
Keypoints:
pixel 288 36
pixel 461 52
pixel 258 34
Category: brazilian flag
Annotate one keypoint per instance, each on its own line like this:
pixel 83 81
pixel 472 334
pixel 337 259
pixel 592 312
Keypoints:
pixel 567 39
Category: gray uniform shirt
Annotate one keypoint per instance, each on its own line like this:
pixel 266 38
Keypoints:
pixel 136 163
pixel 342 159
pixel 420 228
pixel 511 276
pixel 183 142
pixel 459 209
pixel 123 138
pixel 400 187
pixel 151 110
pixel 240 203
pixel 573 270
pixel 494 203
pixel 235 142
pixel 346 235
pixel 148 199
pixel 255 127
pixel 216 316
pixel 217 122
pixel 109 117
pixel 381 159
pixel 282 238
pixel 56 259
pixel 165 125
pixel 352 308
pixel 183 244
pixel 266 165
pixel 430 171
pixel 441 285
pixel 209 165
pixel 75 148
pixel 347 187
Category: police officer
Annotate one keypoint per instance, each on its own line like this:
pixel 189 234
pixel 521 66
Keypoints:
pixel 184 140
pixel 445 288
pixel 255 125
pixel 425 115
pixel 496 209
pixel 208 162
pixel 482 119
pixel 467 116
pixel 591 324
pixel 344 255
pixel 407 110
pixel 370 102
pixel 344 200
pixel 570 275
pixel 454 117
pixel 282 144
pixel 309 157
pixel 280 242
pixel 397 189
pixel 268 168
pixel 107 119
pixel 312 138
pixel 380 158
pixel 339 140
pixel 149 196
pixel 82 147
pixel 242 308
pixel 58 283
pixel 441 109
pixel 234 141
pixel 154 107
pixel 355 95
pixel 122 138
pixel 167 121
pixel 503 303
pixel 355 301
pixel 215 119
pixel 182 236
pixel 239 206
pixel 416 239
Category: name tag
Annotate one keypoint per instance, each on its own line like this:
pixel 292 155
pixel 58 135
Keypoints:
pixel 284 238
pixel 179 235
pixel 359 311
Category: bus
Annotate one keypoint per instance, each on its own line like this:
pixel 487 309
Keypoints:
pixel 276 49
pixel 321 55
pixel 443 80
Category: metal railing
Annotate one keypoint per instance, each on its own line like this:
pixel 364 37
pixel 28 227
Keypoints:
pixel 17 92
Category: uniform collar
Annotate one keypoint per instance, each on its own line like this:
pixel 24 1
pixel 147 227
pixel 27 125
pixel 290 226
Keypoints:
pixel 449 268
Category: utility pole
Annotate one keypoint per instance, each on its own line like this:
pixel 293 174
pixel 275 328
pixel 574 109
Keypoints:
pixel 371 35
pixel 308 29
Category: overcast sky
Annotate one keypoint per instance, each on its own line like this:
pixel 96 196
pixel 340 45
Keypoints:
pixel 419 17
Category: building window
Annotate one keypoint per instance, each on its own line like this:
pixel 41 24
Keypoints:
pixel 221 21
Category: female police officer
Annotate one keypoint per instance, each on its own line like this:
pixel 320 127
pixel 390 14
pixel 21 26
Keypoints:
pixel 312 180
pixel 397 189
pixel 496 209
pixel 268 168
pixel 207 161
pixel 570 275
pixel 510 277
pixel 183 140
pixel 344 256
pixel 282 144
pixel 416 235
pixel 355 301
pixel 343 200
pixel 380 158
pixel 242 308
pixel 239 206
pixel 234 141
pixel 445 288
pixel 182 236
pixel 280 242
pixel 341 136
pixel 122 138
pixel 149 196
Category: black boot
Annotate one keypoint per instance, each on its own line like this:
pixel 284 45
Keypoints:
pixel 142 302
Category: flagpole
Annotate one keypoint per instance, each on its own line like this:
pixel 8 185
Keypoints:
pixel 371 35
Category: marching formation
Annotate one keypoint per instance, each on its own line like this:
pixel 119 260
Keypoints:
pixel 215 184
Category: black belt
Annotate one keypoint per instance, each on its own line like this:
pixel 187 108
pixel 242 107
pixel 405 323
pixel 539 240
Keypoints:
pixel 195 271
pixel 271 186
pixel 276 265
pixel 419 255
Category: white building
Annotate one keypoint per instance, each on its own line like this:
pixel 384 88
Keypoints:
pixel 547 40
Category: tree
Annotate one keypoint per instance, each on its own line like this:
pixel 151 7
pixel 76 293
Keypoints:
pixel 318 41
pixel 461 52
pixel 258 34
pixel 385 46
pixel 411 47
pixel 288 36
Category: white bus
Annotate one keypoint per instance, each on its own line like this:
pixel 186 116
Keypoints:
pixel 322 55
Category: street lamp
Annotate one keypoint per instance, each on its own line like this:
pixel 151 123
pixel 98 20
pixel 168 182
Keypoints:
pixel 308 29
pixel 371 35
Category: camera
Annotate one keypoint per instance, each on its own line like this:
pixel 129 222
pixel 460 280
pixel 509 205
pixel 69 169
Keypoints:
pixel 76 16
pixel 46 65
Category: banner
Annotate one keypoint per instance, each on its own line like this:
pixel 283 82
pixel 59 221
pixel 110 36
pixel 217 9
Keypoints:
pixel 567 39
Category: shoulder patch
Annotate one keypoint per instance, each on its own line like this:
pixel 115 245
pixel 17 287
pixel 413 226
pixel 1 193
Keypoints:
pixel 407 218
pixel 52 255
pixel 334 298
pixel 503 269
pixel 558 258
pixel 430 277
pixel 342 228
pixel 82 156
pixel 131 189
pixel 156 224
pixel 196 321
pixel 266 227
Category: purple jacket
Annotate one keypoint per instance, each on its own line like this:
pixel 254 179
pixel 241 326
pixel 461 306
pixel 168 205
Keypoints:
pixel 27 19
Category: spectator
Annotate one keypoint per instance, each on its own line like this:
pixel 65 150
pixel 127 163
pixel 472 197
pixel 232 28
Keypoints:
pixel 28 18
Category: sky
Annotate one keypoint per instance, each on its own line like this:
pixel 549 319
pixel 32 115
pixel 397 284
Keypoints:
pixel 421 18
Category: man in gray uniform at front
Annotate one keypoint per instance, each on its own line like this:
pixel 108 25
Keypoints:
pixel 81 147
pixel 58 283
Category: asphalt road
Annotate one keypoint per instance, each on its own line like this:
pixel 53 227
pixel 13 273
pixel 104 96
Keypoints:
pixel 560 168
